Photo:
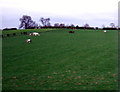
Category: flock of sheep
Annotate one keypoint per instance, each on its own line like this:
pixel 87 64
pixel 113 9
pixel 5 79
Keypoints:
pixel 37 34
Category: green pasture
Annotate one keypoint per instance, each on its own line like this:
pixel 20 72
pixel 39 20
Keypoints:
pixel 25 30
pixel 58 60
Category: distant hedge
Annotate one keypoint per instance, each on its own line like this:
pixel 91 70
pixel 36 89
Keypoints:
pixel 107 28
pixel 10 29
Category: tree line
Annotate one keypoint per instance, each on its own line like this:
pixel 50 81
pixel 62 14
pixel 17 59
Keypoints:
pixel 26 22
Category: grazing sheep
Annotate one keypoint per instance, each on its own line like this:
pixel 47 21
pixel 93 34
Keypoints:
pixel 105 31
pixel 28 40
pixel 71 31
pixel 36 34
pixel 30 34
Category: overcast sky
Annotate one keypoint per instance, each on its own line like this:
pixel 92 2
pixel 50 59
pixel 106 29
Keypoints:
pixel 77 12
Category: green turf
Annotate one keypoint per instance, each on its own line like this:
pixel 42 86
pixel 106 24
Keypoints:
pixel 25 30
pixel 57 60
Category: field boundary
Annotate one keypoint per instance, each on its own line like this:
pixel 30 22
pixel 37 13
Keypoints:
pixel 21 33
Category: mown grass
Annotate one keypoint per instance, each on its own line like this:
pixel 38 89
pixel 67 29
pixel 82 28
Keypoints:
pixel 57 60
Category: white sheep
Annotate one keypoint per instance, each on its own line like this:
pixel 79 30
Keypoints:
pixel 36 34
pixel 105 31
pixel 28 40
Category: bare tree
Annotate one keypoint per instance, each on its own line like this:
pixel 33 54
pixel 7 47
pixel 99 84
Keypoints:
pixel 72 25
pixel 86 25
pixel 48 24
pixel 45 22
pixel 112 25
pixel 56 25
pixel 42 21
pixel 27 22
pixel 62 25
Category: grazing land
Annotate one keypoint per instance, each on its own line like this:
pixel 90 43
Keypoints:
pixel 59 60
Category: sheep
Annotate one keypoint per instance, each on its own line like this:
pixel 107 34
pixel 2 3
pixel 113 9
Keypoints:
pixel 71 31
pixel 105 31
pixel 28 40
pixel 30 34
pixel 34 33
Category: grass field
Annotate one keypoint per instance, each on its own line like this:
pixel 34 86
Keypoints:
pixel 57 60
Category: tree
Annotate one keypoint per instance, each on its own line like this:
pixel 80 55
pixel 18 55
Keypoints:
pixel 72 26
pixel 112 25
pixel 103 26
pixel 33 25
pixel 56 25
pixel 45 22
pixel 27 22
pixel 48 24
pixel 77 26
pixel 86 25
pixel 62 25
